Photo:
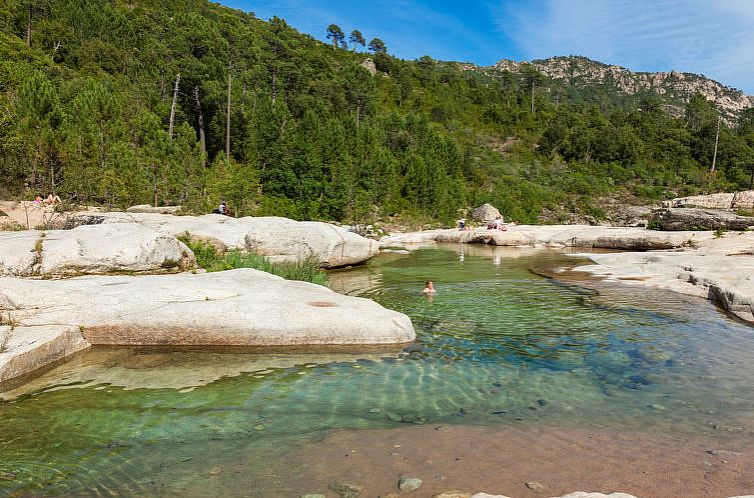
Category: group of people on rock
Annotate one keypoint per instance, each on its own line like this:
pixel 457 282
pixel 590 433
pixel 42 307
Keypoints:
pixel 496 224
pixel 50 200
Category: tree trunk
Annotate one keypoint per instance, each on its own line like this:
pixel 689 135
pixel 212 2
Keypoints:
pixel 28 25
pixel 717 140
pixel 200 117
pixel 533 110
pixel 274 92
pixel 172 107
pixel 227 117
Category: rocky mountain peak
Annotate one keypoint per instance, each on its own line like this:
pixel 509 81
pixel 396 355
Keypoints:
pixel 676 88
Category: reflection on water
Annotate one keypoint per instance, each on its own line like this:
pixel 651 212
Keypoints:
pixel 497 345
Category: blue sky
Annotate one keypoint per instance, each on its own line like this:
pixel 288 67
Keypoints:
pixel 711 37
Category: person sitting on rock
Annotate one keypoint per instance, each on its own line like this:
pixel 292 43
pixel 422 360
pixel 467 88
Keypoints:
pixel 497 224
pixel 223 209
pixel 462 224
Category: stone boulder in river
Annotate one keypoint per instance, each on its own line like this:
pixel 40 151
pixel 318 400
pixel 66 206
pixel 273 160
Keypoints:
pixel 241 307
pixel 281 239
pixel 485 213
pixel 698 219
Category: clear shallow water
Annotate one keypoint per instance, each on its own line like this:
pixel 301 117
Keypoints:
pixel 498 345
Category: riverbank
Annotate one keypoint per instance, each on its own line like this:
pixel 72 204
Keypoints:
pixel 716 266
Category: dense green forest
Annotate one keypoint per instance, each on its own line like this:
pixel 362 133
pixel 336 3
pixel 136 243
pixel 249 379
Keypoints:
pixel 126 102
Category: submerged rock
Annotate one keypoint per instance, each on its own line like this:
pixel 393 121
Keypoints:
pixel 409 484
pixel 346 490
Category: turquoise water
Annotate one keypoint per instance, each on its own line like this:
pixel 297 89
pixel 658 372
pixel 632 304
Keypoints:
pixel 498 345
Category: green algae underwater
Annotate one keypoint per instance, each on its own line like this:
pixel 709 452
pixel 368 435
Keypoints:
pixel 497 346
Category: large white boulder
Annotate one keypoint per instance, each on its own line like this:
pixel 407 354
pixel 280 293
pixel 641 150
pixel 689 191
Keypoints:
pixel 281 239
pixel 91 249
pixel 291 241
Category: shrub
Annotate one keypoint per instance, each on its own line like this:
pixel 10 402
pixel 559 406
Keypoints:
pixel 211 259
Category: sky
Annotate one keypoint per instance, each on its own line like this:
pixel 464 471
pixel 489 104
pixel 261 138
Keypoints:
pixel 710 37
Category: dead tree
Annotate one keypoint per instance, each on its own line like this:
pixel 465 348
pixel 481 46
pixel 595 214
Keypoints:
pixel 227 123
pixel 172 107
pixel 200 118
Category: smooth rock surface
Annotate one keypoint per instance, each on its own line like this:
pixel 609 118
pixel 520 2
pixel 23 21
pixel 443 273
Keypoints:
pixel 409 484
pixel 90 249
pixel 111 248
pixel 281 239
pixel 26 349
pixel 592 237
pixel 17 253
pixel 241 307
pixel 721 270
pixel 699 219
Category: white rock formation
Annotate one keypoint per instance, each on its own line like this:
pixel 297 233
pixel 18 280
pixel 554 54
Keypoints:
pixel 242 307
pixel 90 249
pixel 721 270
pixel 281 239
pixel 593 237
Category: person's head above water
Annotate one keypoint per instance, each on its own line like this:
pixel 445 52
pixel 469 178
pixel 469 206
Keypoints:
pixel 428 287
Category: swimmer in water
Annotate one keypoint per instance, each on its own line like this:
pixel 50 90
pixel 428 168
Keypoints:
pixel 429 289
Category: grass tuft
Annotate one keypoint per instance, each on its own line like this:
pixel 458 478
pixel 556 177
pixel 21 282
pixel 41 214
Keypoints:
pixel 211 259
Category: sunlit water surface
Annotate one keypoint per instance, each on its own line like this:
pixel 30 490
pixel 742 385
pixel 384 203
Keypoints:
pixel 497 345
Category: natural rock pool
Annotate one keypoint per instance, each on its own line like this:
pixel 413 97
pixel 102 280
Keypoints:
pixel 514 378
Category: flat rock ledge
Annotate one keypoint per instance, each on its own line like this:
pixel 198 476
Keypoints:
pixel 48 320
pixel 282 240
pixel 585 236
pixel 721 270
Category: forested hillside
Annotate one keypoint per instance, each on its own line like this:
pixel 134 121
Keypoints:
pixel 125 102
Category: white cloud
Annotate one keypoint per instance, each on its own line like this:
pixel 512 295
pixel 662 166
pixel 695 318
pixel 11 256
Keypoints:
pixel 713 37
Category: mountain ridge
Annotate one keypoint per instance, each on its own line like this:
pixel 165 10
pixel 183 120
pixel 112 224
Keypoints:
pixel 673 87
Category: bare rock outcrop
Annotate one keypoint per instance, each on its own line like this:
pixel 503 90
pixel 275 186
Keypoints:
pixel 724 200
pixel 698 219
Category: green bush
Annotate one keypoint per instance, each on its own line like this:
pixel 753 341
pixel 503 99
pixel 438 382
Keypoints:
pixel 212 260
